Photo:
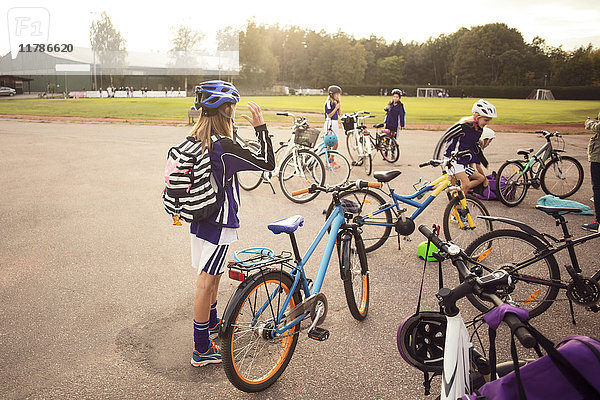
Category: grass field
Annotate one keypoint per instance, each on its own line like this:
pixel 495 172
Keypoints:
pixel 419 110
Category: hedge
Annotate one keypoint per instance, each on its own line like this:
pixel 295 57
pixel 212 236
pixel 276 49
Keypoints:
pixel 506 92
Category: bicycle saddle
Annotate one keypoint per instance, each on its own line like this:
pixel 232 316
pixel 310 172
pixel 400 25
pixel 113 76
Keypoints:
pixel 386 176
pixel 286 225
pixel 524 152
pixel 557 210
pixel 377 126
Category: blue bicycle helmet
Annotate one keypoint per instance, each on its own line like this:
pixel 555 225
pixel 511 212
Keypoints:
pixel 330 140
pixel 212 94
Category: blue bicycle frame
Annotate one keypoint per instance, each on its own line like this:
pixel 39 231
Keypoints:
pixel 442 183
pixel 335 221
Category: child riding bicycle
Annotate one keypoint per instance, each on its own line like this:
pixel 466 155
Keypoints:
pixel 465 135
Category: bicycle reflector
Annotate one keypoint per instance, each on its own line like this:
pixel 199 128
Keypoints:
pixel 532 296
pixel 483 255
pixel 236 276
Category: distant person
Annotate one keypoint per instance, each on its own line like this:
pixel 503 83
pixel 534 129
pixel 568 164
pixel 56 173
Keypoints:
pixel 332 113
pixel 465 135
pixel 385 92
pixel 100 92
pixel 594 158
pixel 166 91
pixel 395 113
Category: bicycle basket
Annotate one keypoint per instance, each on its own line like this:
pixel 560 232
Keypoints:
pixel 349 123
pixel 558 143
pixel 306 136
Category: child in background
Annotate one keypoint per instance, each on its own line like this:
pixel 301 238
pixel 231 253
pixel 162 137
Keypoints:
pixel 332 113
pixel 395 113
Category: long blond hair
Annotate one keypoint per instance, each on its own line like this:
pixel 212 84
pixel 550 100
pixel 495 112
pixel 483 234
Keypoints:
pixel 471 120
pixel 218 123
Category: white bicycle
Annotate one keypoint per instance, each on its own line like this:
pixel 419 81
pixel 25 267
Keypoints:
pixel 438 343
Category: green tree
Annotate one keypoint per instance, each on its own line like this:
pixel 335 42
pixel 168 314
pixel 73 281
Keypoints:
pixel 184 42
pixel 341 61
pixel 108 44
pixel 477 59
pixel 258 65
pixel 391 70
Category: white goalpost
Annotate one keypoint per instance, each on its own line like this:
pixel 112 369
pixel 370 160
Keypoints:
pixel 541 94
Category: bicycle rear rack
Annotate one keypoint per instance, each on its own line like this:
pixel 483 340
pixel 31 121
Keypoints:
pixel 239 271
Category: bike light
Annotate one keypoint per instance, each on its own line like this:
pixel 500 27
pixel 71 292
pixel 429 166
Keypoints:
pixel 236 276
pixel 484 255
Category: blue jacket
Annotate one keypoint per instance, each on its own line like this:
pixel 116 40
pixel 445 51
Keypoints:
pixel 465 138
pixel 395 115
pixel 227 158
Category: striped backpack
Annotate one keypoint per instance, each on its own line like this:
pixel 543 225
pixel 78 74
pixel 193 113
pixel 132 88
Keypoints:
pixel 188 194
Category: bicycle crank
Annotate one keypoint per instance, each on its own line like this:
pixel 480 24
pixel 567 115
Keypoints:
pixel 586 293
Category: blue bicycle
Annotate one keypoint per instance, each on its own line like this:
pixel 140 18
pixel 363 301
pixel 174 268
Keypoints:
pixel 261 322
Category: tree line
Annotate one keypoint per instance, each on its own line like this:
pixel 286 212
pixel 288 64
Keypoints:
pixel 491 54
pixel 486 55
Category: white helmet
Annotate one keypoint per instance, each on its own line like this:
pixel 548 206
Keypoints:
pixel 485 109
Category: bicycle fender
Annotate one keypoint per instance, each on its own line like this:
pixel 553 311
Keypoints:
pixel 344 236
pixel 227 317
pixel 522 226
pixel 516 160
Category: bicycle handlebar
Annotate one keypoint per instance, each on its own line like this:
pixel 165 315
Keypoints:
pixel 453 157
pixel 548 134
pixel 359 183
pixel 283 113
pixel 474 285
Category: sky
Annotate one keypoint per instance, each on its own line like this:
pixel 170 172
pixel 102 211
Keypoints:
pixel 148 26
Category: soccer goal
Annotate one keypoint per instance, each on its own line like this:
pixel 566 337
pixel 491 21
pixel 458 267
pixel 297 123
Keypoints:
pixel 541 94
pixel 431 92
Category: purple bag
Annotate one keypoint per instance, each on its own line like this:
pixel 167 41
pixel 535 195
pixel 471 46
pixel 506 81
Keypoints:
pixel 547 379
pixel 488 192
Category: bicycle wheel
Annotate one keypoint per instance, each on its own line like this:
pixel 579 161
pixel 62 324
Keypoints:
pixel 375 229
pixel 300 170
pixel 511 183
pixel 356 286
pixel 250 180
pixel 562 177
pixel 253 360
pixel 352 146
pixel 506 249
pixel 454 212
pixel 339 175
pixel 389 149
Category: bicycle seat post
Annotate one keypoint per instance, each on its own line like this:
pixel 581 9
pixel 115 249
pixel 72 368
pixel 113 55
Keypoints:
pixel 297 256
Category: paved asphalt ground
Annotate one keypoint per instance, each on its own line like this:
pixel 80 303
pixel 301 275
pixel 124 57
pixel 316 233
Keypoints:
pixel 96 288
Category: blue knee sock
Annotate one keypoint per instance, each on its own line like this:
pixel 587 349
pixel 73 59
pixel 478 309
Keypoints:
pixel 213 315
pixel 201 341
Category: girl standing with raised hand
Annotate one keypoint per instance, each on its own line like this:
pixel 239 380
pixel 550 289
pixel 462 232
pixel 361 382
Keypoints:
pixel 332 113
pixel 210 238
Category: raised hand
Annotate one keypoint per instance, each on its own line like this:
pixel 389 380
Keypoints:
pixel 257 117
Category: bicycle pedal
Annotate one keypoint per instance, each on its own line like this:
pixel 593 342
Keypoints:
pixel 319 334
pixel 354 163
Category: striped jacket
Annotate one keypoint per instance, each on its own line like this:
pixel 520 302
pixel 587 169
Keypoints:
pixel 227 158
